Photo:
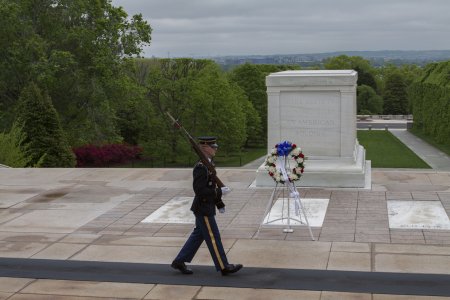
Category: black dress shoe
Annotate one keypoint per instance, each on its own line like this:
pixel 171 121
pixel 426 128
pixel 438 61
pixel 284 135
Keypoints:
pixel 231 269
pixel 182 267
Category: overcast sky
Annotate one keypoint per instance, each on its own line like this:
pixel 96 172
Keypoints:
pixel 234 27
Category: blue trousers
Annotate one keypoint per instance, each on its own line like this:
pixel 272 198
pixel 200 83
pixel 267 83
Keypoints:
pixel 205 230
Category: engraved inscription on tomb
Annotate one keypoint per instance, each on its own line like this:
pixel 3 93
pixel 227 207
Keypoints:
pixel 312 119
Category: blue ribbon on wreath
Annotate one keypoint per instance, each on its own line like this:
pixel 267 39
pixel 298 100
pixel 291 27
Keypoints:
pixel 284 148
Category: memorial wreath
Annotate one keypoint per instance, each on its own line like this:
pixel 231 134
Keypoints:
pixel 285 149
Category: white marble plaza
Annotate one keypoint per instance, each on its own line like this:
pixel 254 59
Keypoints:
pixel 417 215
pixel 94 215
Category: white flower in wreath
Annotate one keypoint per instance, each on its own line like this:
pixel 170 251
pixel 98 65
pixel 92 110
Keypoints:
pixel 272 169
pixel 293 177
pixel 271 159
pixel 300 159
pixel 277 177
pixel 296 151
pixel 298 170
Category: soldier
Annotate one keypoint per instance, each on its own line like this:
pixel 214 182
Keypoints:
pixel 207 197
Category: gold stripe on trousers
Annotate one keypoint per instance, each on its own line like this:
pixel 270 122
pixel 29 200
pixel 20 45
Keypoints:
pixel 213 241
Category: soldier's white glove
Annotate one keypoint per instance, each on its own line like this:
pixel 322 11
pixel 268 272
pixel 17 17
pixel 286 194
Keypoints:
pixel 222 210
pixel 225 190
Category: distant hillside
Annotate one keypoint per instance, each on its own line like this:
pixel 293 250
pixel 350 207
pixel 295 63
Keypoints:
pixel 377 58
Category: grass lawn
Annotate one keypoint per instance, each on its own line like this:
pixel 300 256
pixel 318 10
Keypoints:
pixel 386 151
pixel 237 160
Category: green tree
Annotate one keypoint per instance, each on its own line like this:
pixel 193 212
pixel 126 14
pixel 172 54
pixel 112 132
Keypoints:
pixel 253 122
pixel 169 85
pixel 148 123
pixel 409 73
pixel 251 79
pixel 198 93
pixel 133 120
pixel 44 142
pixel 10 153
pixel 79 51
pixel 20 48
pixel 366 73
pixel 222 104
pixel 341 62
pixel 368 102
pixel 395 95
pixel 135 114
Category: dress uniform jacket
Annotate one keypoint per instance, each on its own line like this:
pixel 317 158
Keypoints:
pixel 207 195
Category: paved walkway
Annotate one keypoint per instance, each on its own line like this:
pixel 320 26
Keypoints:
pixel 437 159
pixel 381 124
pixel 94 215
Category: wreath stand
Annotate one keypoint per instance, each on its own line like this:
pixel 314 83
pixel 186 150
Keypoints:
pixel 287 188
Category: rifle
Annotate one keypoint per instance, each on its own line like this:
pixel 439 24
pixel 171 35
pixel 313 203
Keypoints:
pixel 199 152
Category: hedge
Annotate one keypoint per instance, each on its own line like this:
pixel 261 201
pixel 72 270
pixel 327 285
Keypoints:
pixel 106 155
pixel 430 96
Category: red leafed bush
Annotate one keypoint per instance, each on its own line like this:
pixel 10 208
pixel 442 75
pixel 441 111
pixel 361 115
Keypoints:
pixel 106 155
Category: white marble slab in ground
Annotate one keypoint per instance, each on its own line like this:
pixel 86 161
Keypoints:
pixel 177 210
pixel 315 210
pixel 417 215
